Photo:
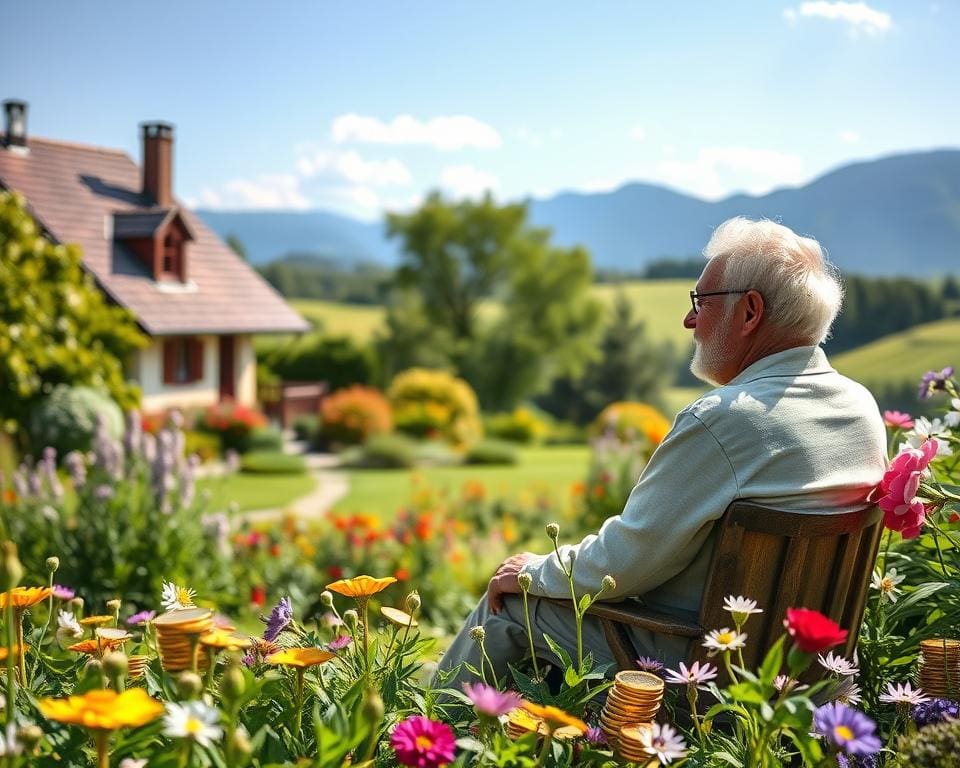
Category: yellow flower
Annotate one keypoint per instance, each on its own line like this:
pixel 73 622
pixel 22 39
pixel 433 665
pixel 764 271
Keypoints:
pixel 554 717
pixel 360 586
pixel 24 597
pixel 96 621
pixel 300 657
pixel 398 617
pixel 104 710
pixel 16 651
pixel 218 638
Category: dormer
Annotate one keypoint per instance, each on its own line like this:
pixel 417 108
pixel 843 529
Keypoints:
pixel 158 237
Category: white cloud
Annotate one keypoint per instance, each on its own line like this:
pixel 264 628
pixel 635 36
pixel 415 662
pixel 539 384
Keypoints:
pixel 718 171
pixel 849 137
pixel 859 16
pixel 445 133
pixel 467 181
pixel 280 191
pixel 638 133
pixel 352 167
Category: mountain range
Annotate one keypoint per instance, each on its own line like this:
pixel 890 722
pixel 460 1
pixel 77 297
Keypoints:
pixel 896 215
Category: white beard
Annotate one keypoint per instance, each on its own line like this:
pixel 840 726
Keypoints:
pixel 708 358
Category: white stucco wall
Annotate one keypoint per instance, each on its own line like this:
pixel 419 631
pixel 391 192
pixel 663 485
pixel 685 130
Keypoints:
pixel 245 371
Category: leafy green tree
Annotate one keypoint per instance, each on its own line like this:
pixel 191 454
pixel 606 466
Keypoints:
pixel 236 245
pixel 540 320
pixel 951 288
pixel 56 326
pixel 337 360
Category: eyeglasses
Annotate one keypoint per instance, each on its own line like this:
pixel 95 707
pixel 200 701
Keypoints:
pixel 695 297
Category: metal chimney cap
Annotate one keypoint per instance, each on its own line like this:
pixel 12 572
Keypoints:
pixel 157 129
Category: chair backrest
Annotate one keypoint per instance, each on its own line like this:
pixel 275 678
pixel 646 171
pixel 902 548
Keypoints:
pixel 785 560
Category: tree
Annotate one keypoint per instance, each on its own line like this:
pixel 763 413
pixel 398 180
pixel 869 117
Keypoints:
pixel 236 245
pixel 56 326
pixel 456 257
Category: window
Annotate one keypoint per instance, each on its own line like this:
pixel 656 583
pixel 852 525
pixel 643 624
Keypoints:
pixel 182 360
pixel 171 256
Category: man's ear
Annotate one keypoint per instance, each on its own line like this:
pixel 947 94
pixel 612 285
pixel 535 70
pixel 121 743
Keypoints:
pixel 753 310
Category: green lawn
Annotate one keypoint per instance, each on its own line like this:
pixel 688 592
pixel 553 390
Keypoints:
pixel 355 320
pixel 252 491
pixel 552 469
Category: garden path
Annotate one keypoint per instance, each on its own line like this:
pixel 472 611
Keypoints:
pixel 331 486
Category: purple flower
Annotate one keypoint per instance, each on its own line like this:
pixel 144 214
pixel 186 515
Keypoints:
pixel 859 761
pixel 694 675
pixel 648 664
pixel 103 493
pixel 846 729
pixel 339 643
pixel 141 618
pixel 596 736
pixel 490 702
pixel 935 711
pixel 934 381
pixel 279 619
pixel 248 659
pixel 63 593
pixel 424 743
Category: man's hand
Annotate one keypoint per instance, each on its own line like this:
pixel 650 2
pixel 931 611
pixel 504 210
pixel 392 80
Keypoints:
pixel 504 581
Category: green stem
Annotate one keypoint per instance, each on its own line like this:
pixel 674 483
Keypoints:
pixel 101 739
pixel 526 618
pixel 43 634
pixel 299 712
pixel 729 668
pixel 11 675
pixel 692 700
pixel 545 749
pixel 943 567
pixel 366 640
pixel 21 656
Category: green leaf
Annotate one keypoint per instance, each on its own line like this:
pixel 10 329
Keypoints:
pixel 560 653
pixel 772 662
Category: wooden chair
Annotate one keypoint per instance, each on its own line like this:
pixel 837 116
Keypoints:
pixel 781 560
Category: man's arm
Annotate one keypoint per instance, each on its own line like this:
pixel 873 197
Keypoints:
pixel 687 485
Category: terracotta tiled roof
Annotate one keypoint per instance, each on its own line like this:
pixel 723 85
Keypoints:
pixel 75 191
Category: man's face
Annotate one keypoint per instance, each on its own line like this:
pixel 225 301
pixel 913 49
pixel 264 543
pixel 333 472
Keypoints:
pixel 710 329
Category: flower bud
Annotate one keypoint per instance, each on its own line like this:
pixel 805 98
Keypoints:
pixel 11 571
pixel 326 598
pixel 372 707
pixel 29 736
pixel 232 682
pixel 114 605
pixel 93 667
pixel 525 580
pixel 478 633
pixel 350 618
pixel 608 584
pixel 553 531
pixel 238 744
pixel 412 602
pixel 189 685
pixel 76 604
pixel 53 563
pixel 115 666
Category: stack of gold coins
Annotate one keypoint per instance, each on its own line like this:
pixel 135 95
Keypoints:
pixel 631 744
pixel 178 635
pixel 136 665
pixel 940 668
pixel 634 698
pixel 520 722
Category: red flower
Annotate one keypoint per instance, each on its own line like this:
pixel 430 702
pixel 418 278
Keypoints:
pixel 401 574
pixel 423 743
pixel 335 572
pixel 258 596
pixel 275 550
pixel 954 517
pixel 812 631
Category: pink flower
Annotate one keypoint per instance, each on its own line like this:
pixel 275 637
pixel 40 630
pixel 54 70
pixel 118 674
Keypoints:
pixel 489 701
pixel 897 420
pixel 420 742
pixel 898 490
pixel 339 643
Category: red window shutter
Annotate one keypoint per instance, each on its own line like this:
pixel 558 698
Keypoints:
pixel 170 361
pixel 196 359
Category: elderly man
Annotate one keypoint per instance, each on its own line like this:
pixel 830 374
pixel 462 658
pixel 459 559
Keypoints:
pixel 781 428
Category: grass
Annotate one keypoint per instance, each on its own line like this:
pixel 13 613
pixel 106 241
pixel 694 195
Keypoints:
pixel 256 491
pixel 354 320
pixel 905 356
pixel 548 469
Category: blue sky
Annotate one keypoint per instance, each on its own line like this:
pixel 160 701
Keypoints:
pixel 361 106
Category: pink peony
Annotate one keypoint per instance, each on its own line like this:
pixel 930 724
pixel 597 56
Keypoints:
pixel 903 511
pixel 897 420
pixel 420 742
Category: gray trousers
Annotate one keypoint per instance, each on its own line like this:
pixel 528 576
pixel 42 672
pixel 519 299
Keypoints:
pixel 506 639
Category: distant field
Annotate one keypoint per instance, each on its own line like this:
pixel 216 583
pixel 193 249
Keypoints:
pixel 904 356
pixel 355 320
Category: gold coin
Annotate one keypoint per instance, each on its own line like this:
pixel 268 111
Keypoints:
pixel 639 680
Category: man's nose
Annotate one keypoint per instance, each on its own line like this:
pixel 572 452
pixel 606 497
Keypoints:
pixel 690 321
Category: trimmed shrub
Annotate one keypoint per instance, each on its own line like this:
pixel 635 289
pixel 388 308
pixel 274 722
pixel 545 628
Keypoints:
pixel 67 419
pixel 272 463
pixel 522 425
pixel 265 439
pixel 204 444
pixel 566 433
pixel 337 360
pixel 429 403
pixel 352 416
pixel 492 452
pixel 632 421
pixel 232 422
pixel 387 452
pixel 307 428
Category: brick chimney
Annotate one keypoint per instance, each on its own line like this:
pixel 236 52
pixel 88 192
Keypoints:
pixel 158 162
pixel 15 129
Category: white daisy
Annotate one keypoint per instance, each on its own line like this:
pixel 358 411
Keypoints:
pixel 192 720
pixel 786 684
pixel 67 624
pixel 664 743
pixel 838 664
pixel 741 608
pixel 175 597
pixel 133 762
pixel 923 430
pixel 847 692
pixel 887 584
pixel 903 694
pixel 724 640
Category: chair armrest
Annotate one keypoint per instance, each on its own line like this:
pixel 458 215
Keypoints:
pixel 634 615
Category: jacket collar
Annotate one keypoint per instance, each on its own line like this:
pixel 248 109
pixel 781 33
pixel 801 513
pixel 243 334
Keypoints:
pixel 797 361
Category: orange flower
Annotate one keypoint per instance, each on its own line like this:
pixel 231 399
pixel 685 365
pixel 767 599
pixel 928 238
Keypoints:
pixel 9 495
pixel 474 490
pixel 219 638
pixel 360 586
pixel 577 489
pixel 24 597
pixel 554 718
pixel 300 657
pixel 104 710
pixel 93 647
pixel 16 651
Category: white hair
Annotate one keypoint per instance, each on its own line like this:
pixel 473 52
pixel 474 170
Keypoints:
pixel 801 289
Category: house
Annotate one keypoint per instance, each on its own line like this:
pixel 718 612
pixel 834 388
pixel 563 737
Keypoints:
pixel 198 302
